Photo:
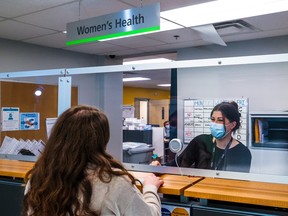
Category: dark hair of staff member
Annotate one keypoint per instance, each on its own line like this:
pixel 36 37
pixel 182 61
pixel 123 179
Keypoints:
pixel 218 150
pixel 76 176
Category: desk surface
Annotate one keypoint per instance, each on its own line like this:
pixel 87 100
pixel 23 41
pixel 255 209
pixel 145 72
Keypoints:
pixel 14 168
pixel 258 193
pixel 173 184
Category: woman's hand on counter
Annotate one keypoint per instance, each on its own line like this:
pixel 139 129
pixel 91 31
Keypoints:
pixel 155 163
pixel 152 179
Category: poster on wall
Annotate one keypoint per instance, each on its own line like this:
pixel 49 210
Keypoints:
pixel 10 118
pixel 30 121
pixel 128 111
pixel 197 117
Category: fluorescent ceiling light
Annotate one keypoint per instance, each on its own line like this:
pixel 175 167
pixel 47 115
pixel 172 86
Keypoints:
pixel 164 85
pixel 223 10
pixel 147 61
pixel 135 79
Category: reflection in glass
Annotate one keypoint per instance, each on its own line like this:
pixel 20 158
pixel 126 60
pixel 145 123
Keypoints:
pixel 263 87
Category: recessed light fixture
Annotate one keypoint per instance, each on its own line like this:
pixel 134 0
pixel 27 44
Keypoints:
pixel 131 79
pixel 164 85
pixel 38 92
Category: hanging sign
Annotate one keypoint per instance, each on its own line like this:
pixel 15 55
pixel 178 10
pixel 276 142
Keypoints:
pixel 10 118
pixel 123 23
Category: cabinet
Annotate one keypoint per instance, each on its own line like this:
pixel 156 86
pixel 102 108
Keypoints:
pixel 11 196
pixel 269 130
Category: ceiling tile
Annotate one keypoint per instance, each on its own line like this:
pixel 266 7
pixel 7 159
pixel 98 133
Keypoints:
pixel 56 40
pixel 91 8
pixel 165 4
pixel 54 18
pixel 136 42
pixel 53 15
pixel 269 22
pixel 58 17
pixel 260 34
pixel 125 52
pixel 13 8
pixel 19 31
pixel 99 48
pixel 173 46
pixel 184 34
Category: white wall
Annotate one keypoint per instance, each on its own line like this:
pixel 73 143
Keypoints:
pixel 264 84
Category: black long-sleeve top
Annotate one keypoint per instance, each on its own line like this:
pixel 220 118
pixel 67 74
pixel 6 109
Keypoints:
pixel 199 154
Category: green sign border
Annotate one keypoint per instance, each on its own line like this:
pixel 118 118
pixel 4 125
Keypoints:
pixel 115 35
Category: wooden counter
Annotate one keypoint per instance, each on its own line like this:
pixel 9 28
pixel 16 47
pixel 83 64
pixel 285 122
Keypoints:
pixel 246 192
pixel 173 184
pixel 258 193
pixel 14 168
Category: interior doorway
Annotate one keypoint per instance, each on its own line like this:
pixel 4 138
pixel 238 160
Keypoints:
pixel 142 109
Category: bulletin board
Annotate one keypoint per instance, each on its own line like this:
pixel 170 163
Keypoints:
pixel 21 95
pixel 197 117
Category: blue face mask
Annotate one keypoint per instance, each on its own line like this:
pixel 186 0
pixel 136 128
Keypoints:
pixel 217 130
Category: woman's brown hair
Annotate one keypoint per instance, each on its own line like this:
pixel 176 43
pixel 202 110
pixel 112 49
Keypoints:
pixel 77 141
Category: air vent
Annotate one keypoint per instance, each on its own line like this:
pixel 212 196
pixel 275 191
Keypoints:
pixel 233 27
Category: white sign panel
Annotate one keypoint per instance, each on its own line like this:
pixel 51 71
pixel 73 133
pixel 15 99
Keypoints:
pixel 49 125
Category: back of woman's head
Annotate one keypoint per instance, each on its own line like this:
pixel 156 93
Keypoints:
pixel 77 142
pixel 229 111
pixel 82 132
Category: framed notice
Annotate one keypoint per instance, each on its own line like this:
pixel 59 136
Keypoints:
pixel 49 125
pixel 29 121
pixel 10 118
pixel 128 111
pixel 197 117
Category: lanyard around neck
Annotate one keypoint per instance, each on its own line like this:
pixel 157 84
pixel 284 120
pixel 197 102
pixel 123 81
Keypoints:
pixel 222 156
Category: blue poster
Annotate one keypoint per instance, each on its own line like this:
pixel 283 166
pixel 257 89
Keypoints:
pixel 29 121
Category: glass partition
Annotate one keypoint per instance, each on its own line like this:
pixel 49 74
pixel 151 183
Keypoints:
pixel 26 104
pixel 259 81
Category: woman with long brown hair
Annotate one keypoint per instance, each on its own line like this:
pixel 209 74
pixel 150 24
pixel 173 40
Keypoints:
pixel 76 176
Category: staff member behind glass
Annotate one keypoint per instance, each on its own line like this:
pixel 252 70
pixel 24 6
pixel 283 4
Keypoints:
pixel 218 150
pixel 76 176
